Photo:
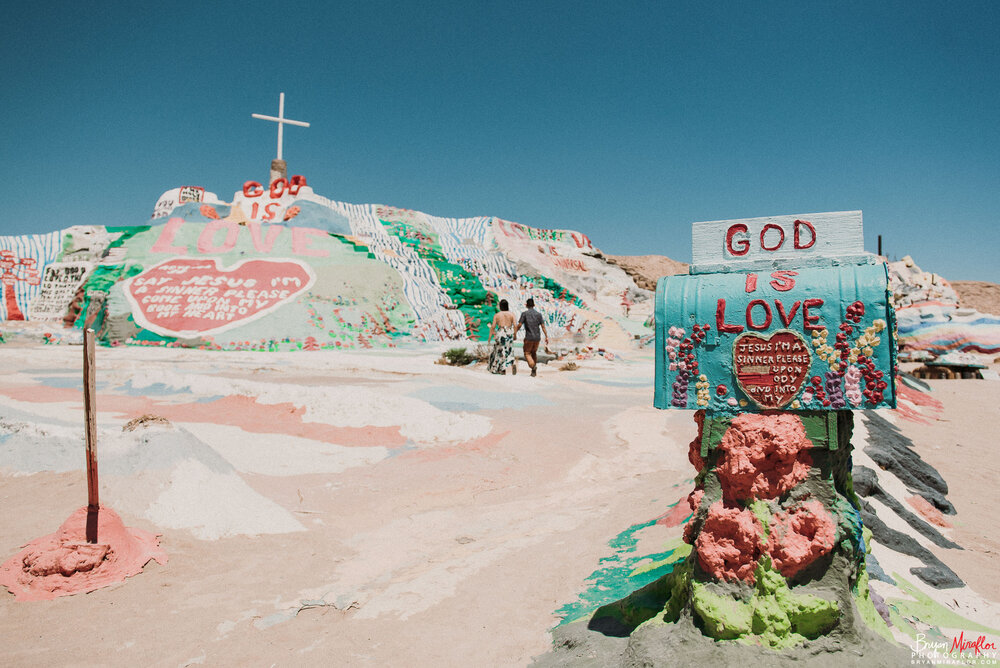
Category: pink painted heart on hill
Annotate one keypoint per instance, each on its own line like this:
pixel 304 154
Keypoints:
pixel 188 297
pixel 771 369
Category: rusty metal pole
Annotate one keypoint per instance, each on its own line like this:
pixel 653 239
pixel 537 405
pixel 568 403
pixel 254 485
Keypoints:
pixel 89 410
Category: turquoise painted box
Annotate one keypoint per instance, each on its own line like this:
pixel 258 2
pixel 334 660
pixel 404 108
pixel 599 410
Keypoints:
pixel 801 339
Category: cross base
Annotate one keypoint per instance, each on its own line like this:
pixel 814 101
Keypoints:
pixel 279 170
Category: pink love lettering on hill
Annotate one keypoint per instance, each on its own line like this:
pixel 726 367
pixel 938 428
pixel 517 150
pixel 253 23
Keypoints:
pixel 189 297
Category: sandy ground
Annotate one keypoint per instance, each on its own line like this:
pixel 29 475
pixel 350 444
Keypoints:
pixel 961 444
pixel 442 554
pixel 447 532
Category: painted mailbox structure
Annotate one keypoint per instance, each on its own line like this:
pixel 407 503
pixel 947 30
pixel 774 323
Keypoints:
pixel 742 334
pixel 783 327
pixel 811 339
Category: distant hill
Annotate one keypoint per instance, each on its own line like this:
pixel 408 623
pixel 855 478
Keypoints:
pixel 980 295
pixel 645 270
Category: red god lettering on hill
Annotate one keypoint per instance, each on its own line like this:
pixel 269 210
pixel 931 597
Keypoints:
pixel 210 241
pixel 189 297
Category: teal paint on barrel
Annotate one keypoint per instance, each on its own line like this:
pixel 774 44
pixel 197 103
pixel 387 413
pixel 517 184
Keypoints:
pixel 800 339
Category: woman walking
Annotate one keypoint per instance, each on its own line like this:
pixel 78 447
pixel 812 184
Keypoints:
pixel 502 330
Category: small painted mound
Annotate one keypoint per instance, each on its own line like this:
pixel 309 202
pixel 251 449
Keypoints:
pixel 64 563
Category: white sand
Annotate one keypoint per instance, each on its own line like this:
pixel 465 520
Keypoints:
pixel 453 550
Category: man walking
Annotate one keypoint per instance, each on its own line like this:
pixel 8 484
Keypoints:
pixel 534 328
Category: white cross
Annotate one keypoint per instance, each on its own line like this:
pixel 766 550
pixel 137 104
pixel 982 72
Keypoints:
pixel 280 120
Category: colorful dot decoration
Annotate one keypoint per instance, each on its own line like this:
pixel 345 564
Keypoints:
pixel 852 376
pixel 680 352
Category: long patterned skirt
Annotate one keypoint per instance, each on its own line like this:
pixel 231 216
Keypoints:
pixel 502 354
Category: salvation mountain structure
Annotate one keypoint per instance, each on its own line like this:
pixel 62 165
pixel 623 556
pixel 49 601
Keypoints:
pixel 281 268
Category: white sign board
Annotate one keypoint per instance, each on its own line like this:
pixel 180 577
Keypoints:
pixel 60 283
pixel 775 241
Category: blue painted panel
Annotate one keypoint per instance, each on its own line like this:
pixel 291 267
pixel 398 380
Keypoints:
pixel 805 339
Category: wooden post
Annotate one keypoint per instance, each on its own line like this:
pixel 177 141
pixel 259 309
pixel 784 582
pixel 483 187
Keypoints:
pixel 880 245
pixel 89 410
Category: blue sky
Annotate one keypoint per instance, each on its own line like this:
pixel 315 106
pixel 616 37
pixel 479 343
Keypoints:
pixel 627 121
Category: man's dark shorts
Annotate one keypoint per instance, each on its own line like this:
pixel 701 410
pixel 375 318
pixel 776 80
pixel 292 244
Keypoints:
pixel 531 347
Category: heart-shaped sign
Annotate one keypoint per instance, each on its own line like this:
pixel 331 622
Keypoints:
pixel 188 297
pixel 771 369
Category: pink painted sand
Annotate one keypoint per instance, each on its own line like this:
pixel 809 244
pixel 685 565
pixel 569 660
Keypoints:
pixel 64 563
pixel 917 397
pixel 917 406
pixel 928 511
pixel 678 514
pixel 234 410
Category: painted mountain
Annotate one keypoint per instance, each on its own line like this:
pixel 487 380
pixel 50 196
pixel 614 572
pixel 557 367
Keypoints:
pixel 283 268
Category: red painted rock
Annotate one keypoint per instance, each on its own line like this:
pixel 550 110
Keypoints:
pixel 694 498
pixel 800 536
pixel 763 456
pixel 729 544
pixel 693 503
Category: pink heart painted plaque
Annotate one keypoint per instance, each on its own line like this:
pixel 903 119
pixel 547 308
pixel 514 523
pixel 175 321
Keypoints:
pixel 771 369
pixel 188 297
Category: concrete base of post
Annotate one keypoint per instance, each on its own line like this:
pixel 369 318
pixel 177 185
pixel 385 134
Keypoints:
pixel 777 564
pixel 279 170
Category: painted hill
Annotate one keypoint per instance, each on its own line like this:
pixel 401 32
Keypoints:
pixel 932 321
pixel 284 268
